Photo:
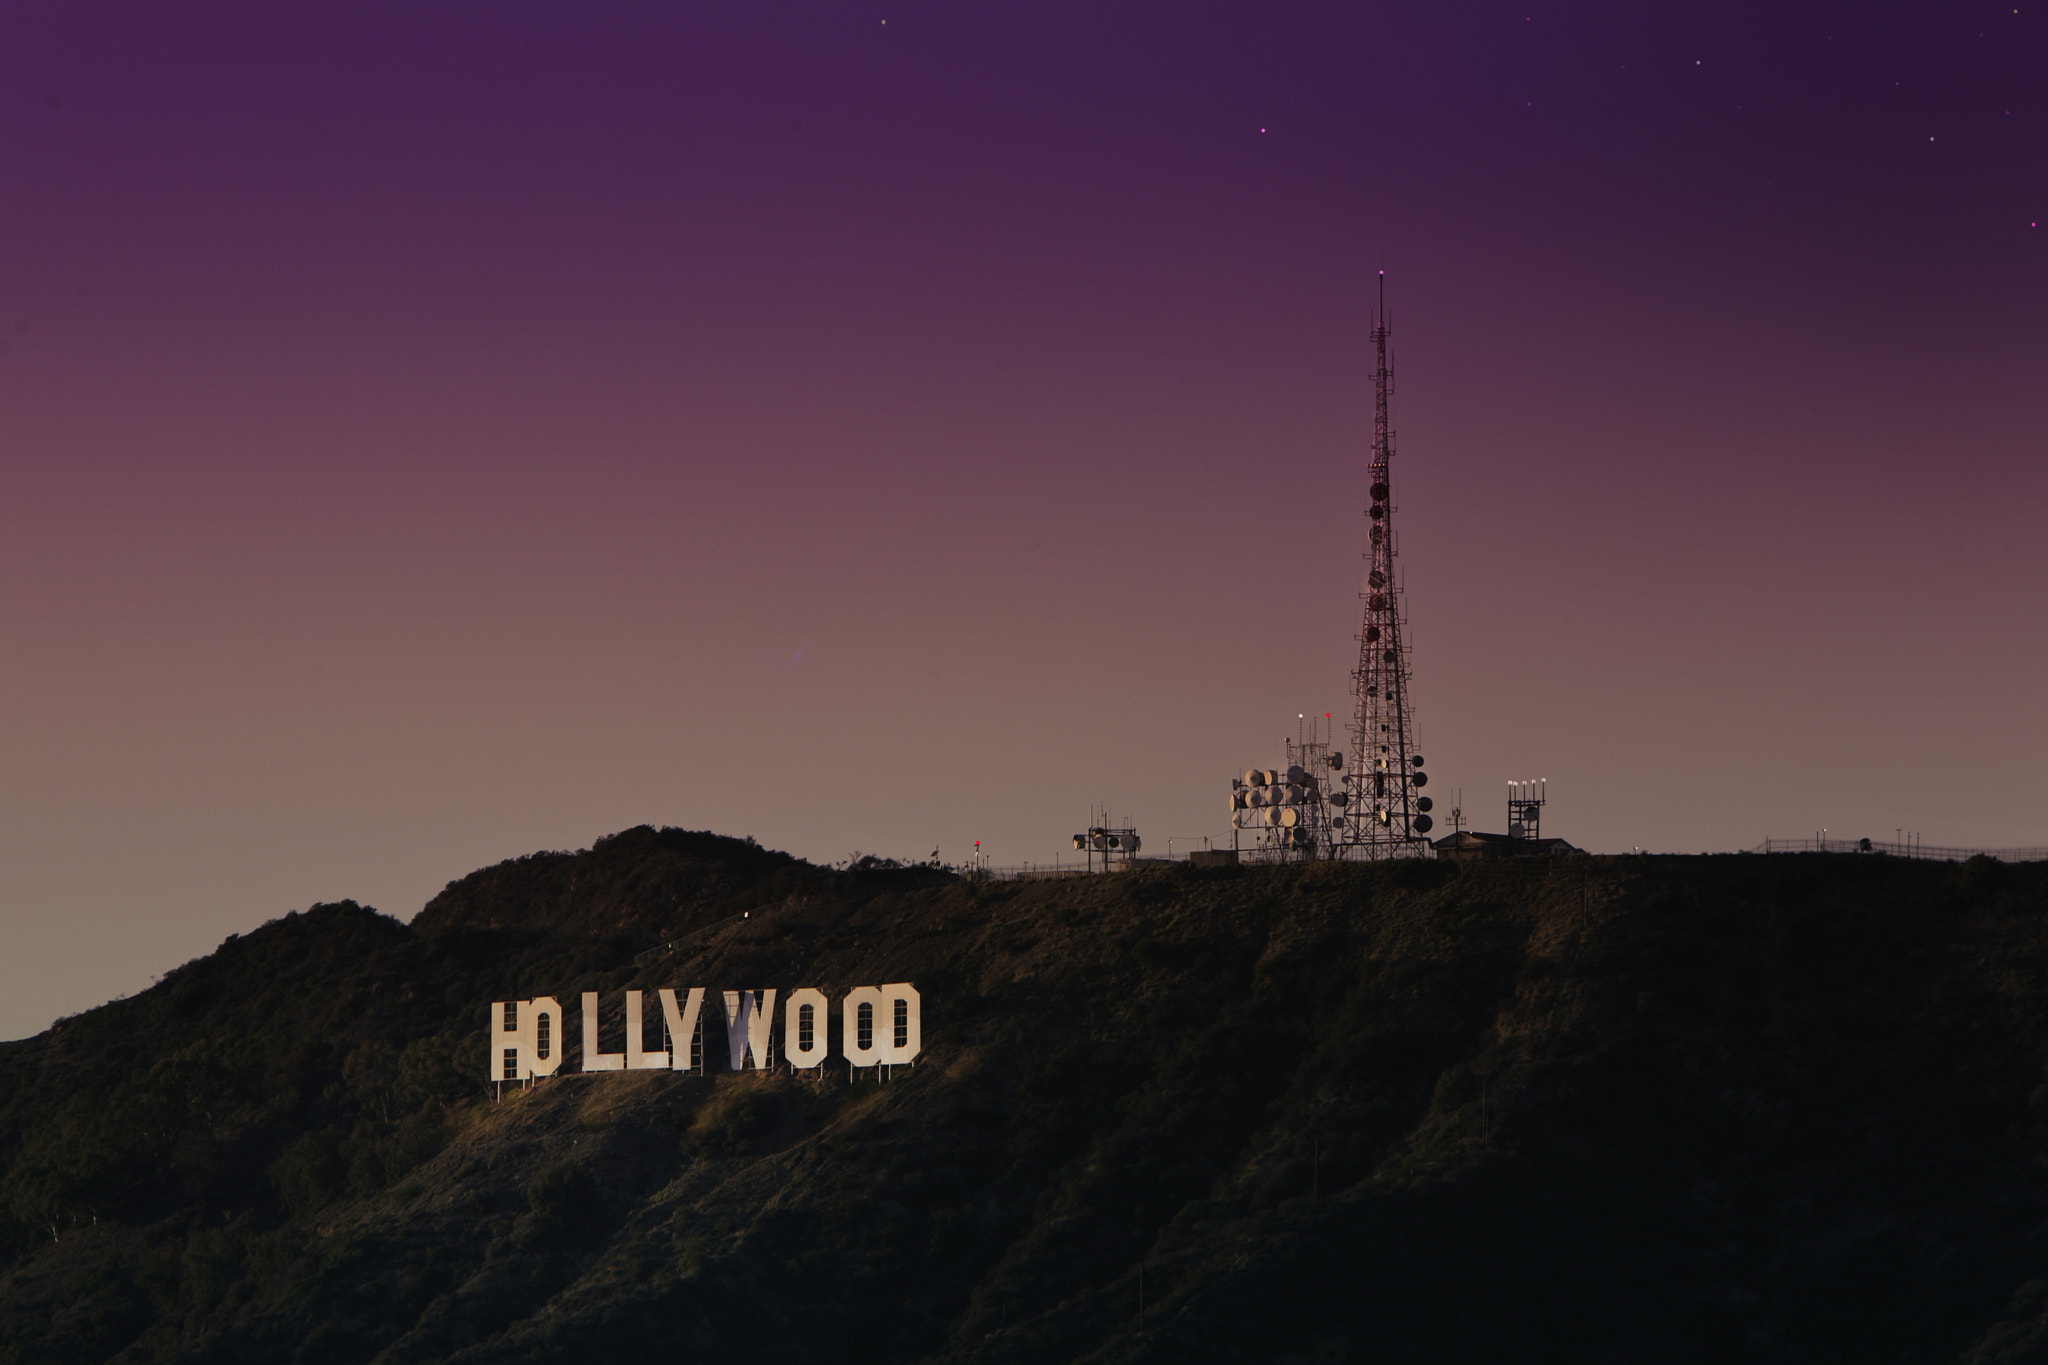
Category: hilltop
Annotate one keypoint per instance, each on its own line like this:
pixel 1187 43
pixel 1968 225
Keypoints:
pixel 1781 1108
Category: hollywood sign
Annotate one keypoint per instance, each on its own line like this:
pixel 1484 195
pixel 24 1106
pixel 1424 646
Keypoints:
pixel 879 1026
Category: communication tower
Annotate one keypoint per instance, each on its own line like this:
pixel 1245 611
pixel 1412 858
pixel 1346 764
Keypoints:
pixel 1385 813
pixel 1113 844
pixel 1525 809
pixel 1312 807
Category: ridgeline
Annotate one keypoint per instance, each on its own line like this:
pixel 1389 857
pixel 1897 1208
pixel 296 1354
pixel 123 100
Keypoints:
pixel 1745 1107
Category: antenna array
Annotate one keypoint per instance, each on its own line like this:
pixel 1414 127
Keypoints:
pixel 1311 807
pixel 1388 815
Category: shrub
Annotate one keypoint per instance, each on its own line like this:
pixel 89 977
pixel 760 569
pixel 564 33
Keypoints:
pixel 311 1172
pixel 562 1207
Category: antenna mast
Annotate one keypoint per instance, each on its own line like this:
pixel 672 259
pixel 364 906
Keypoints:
pixel 1389 818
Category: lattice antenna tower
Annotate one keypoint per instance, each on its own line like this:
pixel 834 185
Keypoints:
pixel 1389 816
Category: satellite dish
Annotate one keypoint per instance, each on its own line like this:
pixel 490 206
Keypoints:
pixel 1337 762
pixel 1371 633
pixel 1340 800
pixel 1379 492
pixel 1417 760
pixel 1423 803
pixel 1080 841
pixel 1420 779
pixel 1422 824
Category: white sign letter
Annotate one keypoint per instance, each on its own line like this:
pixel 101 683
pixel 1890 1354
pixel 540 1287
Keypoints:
pixel 540 1037
pixel 804 1027
pixel 899 1030
pixel 637 1057
pixel 682 1025
pixel 861 1014
pixel 747 1021
pixel 593 1060
pixel 505 1038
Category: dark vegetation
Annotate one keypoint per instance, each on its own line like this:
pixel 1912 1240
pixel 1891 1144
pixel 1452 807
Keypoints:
pixel 1787 1108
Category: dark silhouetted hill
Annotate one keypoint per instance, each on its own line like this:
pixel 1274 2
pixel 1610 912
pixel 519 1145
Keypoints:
pixel 633 885
pixel 1773 1108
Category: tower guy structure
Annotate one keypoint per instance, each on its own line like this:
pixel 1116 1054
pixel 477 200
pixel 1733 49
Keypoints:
pixel 1387 814
pixel 1313 807
pixel 1364 805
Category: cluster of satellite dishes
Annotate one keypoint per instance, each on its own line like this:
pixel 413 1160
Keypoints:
pixel 1123 841
pixel 1296 800
pixel 1273 798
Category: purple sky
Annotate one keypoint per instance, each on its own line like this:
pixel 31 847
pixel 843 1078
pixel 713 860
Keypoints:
pixel 430 433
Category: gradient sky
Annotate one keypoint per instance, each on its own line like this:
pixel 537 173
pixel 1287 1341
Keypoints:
pixel 432 432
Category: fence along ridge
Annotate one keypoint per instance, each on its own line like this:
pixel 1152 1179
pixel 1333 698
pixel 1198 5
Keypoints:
pixel 1939 853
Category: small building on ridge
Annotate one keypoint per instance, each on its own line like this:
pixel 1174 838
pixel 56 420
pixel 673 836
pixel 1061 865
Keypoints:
pixel 1470 844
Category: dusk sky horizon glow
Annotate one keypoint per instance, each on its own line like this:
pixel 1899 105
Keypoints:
pixel 430 434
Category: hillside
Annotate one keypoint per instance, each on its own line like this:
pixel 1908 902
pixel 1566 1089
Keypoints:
pixel 1783 1108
